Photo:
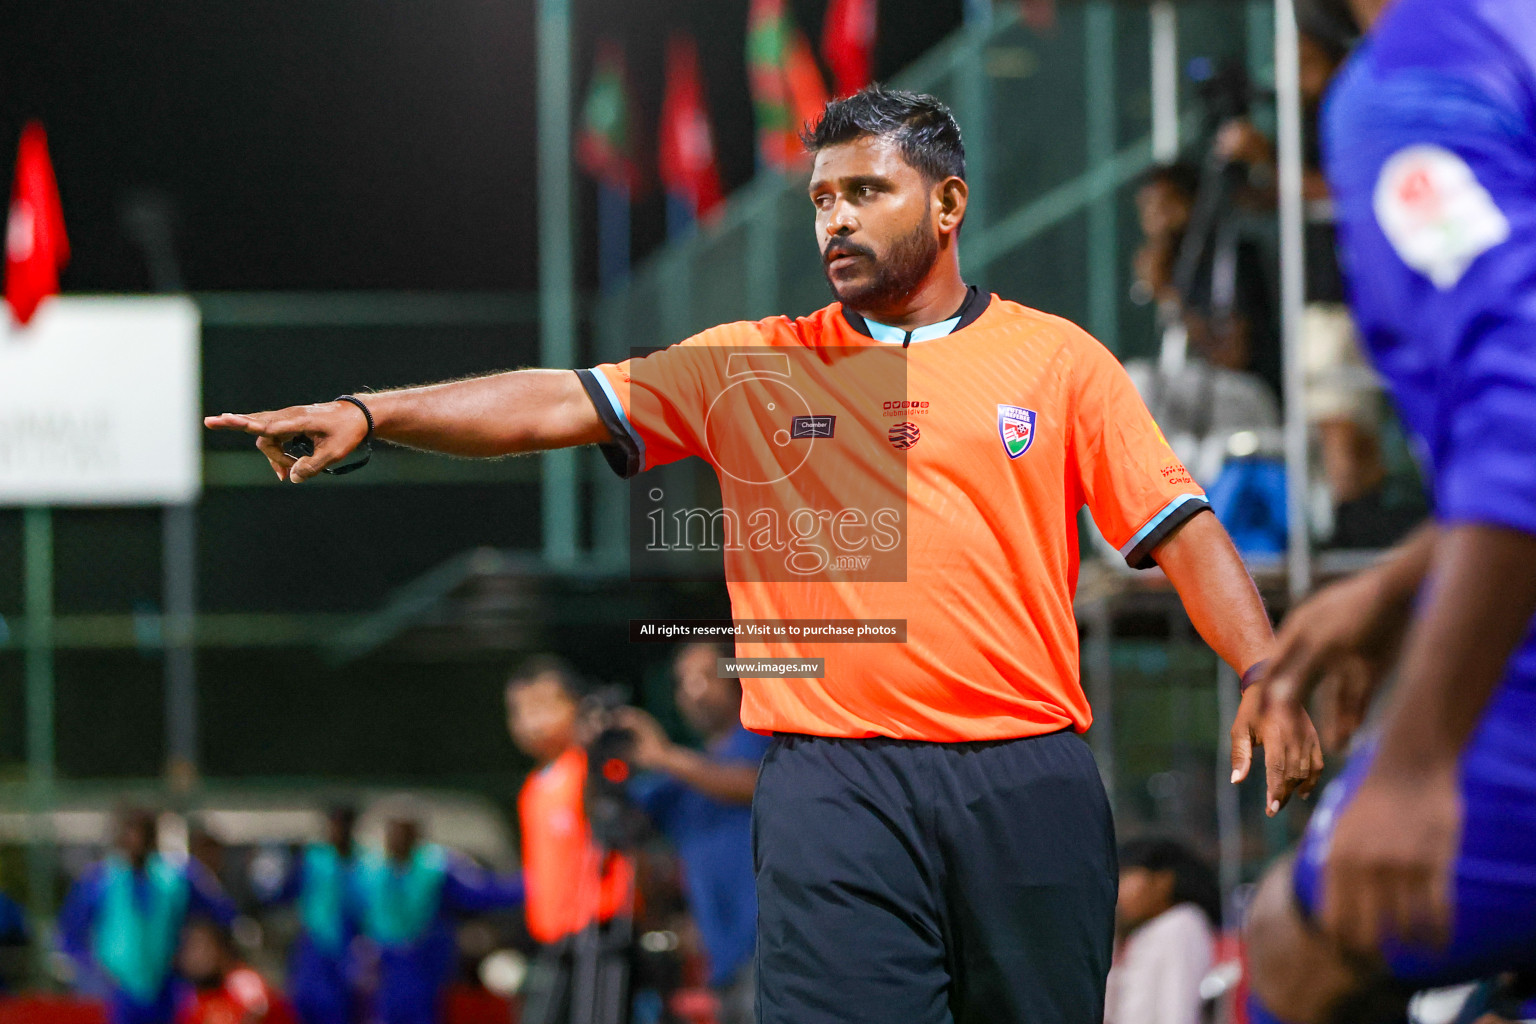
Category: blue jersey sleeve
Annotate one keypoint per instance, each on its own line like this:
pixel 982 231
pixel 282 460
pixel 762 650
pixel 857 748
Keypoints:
pixel 206 897
pixel 470 889
pixel 1435 178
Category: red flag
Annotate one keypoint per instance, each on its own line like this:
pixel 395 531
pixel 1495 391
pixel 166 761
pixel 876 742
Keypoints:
pixel 848 44
pixel 687 144
pixel 35 246
pixel 787 89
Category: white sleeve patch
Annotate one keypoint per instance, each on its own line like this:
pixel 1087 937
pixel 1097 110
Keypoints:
pixel 1436 214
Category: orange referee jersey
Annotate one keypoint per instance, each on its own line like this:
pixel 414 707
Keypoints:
pixel 935 481
pixel 560 861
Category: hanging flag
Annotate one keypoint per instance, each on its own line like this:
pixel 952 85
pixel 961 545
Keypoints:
pixel 686 147
pixel 848 44
pixel 36 248
pixel 605 144
pixel 787 87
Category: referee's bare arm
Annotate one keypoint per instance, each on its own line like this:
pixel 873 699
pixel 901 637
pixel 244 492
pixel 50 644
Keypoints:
pixel 1224 606
pixel 501 414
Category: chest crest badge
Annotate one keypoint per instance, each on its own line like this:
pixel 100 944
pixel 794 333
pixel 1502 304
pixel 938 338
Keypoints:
pixel 1016 427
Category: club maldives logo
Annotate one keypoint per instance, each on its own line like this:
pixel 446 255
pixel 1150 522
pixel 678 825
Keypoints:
pixel 1016 426
pixel 904 435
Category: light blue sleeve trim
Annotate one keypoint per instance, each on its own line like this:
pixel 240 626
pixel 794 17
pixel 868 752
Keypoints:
pixel 618 409
pixel 1153 523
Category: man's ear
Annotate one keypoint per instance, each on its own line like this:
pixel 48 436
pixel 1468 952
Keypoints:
pixel 950 196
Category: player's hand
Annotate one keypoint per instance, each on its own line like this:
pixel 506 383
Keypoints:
pixel 651 743
pixel 1389 865
pixel 1293 758
pixel 1340 640
pixel 335 427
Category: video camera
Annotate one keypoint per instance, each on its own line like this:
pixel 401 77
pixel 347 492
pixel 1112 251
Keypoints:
pixel 616 823
pixel 1226 94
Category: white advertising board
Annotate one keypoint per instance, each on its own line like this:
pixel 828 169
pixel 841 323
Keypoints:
pixel 100 403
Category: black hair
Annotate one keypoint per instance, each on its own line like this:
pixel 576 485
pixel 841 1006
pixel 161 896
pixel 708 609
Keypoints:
pixel 923 129
pixel 342 812
pixel 1331 24
pixel 1183 176
pixel 1193 880
pixel 134 816
pixel 549 665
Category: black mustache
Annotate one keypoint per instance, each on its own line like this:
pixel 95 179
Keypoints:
pixel 835 250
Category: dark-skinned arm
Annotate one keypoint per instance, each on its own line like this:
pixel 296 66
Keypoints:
pixel 726 781
pixel 1389 871
pixel 1343 639
pixel 502 414
pixel 1201 562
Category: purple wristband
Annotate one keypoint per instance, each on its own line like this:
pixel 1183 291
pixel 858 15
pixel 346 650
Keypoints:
pixel 1254 674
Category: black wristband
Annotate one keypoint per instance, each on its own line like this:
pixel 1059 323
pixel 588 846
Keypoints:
pixel 1254 674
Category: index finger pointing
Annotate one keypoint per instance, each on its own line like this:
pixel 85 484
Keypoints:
pixel 227 421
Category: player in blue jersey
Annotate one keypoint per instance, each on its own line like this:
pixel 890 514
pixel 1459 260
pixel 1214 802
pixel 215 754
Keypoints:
pixel 1418 868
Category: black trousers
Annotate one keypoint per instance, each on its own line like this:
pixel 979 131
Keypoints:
pixel 904 882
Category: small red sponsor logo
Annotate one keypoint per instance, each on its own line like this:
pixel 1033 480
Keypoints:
pixel 1177 474
pixel 905 408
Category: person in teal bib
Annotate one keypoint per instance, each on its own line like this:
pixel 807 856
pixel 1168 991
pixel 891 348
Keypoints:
pixel 320 974
pixel 407 896
pixel 122 920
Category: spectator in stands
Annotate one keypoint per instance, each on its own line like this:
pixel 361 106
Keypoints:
pixel 122 920
pixel 702 801
pixel 570 880
pixel 320 971
pixel 205 847
pixel 14 940
pixel 1201 402
pixel 221 989
pixel 1343 396
pixel 407 896
pixel 1166 918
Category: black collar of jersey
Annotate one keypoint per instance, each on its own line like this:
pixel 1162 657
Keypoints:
pixel 975 304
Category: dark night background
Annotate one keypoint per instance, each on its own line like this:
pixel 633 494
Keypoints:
pixel 327 144
pixel 312 145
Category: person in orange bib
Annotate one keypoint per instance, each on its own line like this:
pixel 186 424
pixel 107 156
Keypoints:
pixel 932 842
pixel 570 882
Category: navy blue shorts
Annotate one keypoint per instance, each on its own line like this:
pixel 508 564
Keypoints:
pixel 1494 885
pixel 920 883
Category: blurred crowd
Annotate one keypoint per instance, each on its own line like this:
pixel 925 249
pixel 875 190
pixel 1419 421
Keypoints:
pixel 1205 262
pixel 635 888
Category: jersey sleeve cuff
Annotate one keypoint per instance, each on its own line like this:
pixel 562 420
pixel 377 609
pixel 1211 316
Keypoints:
pixel 1138 550
pixel 625 454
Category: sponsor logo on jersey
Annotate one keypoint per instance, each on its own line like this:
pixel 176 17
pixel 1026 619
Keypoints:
pixel 1016 426
pixel 1435 212
pixel 812 426
pixel 904 435
pixel 905 408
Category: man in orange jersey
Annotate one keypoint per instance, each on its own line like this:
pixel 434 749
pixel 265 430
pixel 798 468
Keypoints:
pixel 568 880
pixel 932 841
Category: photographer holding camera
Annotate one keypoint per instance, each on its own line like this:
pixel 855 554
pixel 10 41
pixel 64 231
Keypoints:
pixel 702 801
pixel 1343 396
pixel 580 889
